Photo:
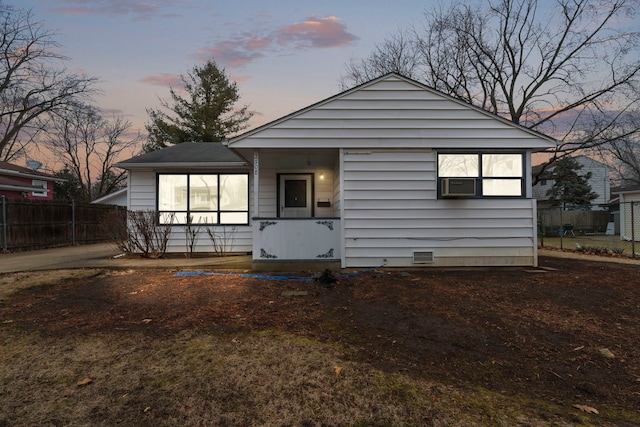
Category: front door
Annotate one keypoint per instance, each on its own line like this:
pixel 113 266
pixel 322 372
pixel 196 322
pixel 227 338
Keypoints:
pixel 295 195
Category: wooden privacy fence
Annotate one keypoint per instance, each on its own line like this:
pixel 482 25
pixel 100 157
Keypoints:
pixel 26 224
pixel 551 221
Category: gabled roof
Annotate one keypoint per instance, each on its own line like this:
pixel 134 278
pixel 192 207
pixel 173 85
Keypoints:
pixel 112 198
pixel 186 155
pixel 10 169
pixel 415 92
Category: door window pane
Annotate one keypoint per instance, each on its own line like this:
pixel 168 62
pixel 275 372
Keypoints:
pixel 295 193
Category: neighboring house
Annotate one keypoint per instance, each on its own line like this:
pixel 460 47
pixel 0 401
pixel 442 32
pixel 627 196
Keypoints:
pixel 629 212
pixel 17 182
pixel 390 173
pixel 117 198
pixel 599 182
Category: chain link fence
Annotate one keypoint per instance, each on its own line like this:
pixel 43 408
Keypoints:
pixel 615 230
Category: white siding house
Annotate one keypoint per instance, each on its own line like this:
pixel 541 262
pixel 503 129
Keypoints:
pixel 630 214
pixel 379 145
pixel 599 182
pixel 387 173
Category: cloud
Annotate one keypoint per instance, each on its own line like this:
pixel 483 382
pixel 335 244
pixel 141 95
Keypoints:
pixel 175 82
pixel 313 33
pixel 236 53
pixel 164 80
pixel 138 9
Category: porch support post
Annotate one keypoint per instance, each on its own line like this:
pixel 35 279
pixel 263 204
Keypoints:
pixel 343 243
pixel 256 182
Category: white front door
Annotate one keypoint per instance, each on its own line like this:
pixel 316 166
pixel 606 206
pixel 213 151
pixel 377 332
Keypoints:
pixel 296 199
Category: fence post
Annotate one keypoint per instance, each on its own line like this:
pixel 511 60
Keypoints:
pixel 73 222
pixel 633 232
pixel 561 226
pixel 4 223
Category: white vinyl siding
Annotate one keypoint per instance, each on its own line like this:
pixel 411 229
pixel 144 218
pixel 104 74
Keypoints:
pixel 387 133
pixel 391 210
pixel 391 113
pixel 142 196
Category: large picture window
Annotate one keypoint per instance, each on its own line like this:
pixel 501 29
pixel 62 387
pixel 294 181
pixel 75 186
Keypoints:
pixel 494 175
pixel 204 198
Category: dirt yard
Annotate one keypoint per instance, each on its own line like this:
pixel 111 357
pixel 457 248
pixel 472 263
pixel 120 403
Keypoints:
pixel 557 345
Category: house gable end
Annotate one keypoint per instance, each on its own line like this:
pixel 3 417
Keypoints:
pixel 392 111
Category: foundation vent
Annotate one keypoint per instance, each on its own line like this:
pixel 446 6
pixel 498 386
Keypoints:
pixel 422 257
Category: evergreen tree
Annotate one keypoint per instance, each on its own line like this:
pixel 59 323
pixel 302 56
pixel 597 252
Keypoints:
pixel 570 189
pixel 206 114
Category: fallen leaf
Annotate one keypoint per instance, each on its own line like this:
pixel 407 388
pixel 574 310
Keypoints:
pixel 147 409
pixel 85 381
pixel 337 370
pixel 587 409
pixel 146 320
pixel 607 353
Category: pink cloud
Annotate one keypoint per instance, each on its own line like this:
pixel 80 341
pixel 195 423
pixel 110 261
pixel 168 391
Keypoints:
pixel 165 80
pixel 235 53
pixel 314 32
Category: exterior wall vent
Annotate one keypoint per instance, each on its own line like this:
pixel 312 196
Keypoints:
pixel 423 257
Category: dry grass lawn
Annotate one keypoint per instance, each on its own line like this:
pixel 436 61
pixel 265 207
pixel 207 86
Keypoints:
pixel 225 376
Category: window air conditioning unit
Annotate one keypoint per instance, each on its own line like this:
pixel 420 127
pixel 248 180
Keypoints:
pixel 458 187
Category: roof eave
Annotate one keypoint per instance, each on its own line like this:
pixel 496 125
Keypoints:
pixel 182 165
pixel 29 175
pixel 20 188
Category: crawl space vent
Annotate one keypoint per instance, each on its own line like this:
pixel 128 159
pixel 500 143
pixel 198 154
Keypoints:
pixel 422 257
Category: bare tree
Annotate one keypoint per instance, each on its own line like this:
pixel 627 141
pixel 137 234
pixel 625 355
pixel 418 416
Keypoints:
pixel 397 53
pixel 571 71
pixel 33 80
pixel 90 145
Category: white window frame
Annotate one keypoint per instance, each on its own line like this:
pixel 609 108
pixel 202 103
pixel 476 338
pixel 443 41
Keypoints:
pixel 40 183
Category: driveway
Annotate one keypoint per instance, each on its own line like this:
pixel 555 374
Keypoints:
pixel 105 255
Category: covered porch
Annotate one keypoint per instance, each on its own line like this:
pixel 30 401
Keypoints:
pixel 296 205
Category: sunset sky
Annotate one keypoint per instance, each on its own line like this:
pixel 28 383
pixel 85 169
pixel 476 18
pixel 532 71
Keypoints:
pixel 284 54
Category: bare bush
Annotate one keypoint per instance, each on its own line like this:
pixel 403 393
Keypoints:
pixel 142 234
pixel 191 233
pixel 222 240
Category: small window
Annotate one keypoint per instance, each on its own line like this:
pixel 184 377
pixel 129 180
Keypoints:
pixel 496 175
pixel 203 198
pixel 41 184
